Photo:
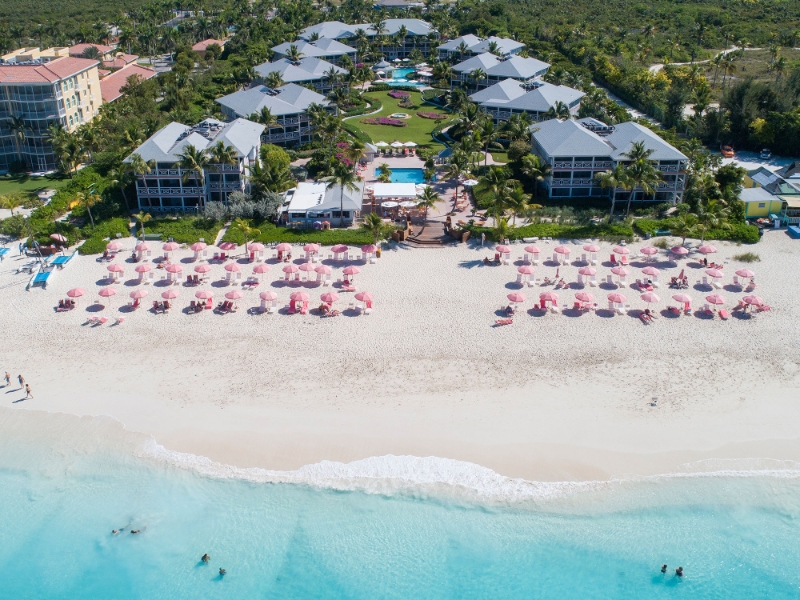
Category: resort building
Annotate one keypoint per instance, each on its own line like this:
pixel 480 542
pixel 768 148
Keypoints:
pixel 168 187
pixel 398 38
pixel 306 71
pixel 468 45
pixel 484 70
pixel 324 48
pixel 37 94
pixel 113 82
pixel 577 150
pixel 288 104
pixel 760 203
pixel 510 97
pixel 104 52
pixel 311 203
pixel 201 47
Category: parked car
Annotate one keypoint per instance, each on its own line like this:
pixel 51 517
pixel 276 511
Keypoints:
pixel 727 151
pixel 766 154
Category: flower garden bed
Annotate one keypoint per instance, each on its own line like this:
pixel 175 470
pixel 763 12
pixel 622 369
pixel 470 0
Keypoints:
pixel 431 115
pixel 399 94
pixel 385 121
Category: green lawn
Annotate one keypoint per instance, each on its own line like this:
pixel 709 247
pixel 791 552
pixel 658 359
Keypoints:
pixel 30 185
pixel 418 129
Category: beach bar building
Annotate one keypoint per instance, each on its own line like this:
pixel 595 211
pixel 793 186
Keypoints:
pixel 309 204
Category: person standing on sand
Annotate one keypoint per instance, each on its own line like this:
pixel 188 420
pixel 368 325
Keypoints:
pixel 21 380
pixel 8 379
pixel 28 392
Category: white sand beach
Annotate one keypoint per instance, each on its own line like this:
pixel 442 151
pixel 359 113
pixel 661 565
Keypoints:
pixel 551 397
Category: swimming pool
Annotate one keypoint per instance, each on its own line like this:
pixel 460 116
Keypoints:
pixel 399 77
pixel 405 175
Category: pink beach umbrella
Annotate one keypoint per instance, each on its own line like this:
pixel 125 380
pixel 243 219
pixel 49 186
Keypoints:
pixel 591 248
pixel 747 273
pixel 291 269
pixel 261 269
pixel 142 247
pixel 715 273
pixel 202 268
pixel 228 246
pixel 562 250
pixel 620 271
pixel 715 299
pixel 707 249
pixel 107 292
pixel 351 270
pixel 255 247
pixel 138 294
pixel 620 250
pixel 307 267
pixel 503 249
pixel 169 294
pixel 232 268
pixel 548 297
pixel 526 270
pixel 532 249
pixel 587 271
pixel 649 250
pixel 311 248
pixel 114 245
pixel 173 268
pixel 234 295
pixel 143 268
pixel 284 247
pixel 76 292
pixel 339 249
pixel 170 246
pixel 617 297
pixel 204 294
pixel 652 271
pixel 116 268
pixel 584 297
pixel 299 297
pixel 198 246
pixel 269 295
pixel 324 270
pixel 682 298
pixel 369 248
pixel 754 300
pixel 364 297
pixel 679 250
pixel 516 297
pixel 650 297
pixel 329 297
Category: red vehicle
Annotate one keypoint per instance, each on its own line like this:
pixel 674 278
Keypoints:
pixel 727 151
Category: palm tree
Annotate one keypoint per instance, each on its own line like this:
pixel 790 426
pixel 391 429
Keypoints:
pixel 273 80
pixel 345 178
pixel 10 202
pixel 294 55
pixel 497 183
pixel 355 151
pixel 614 180
pixel 266 118
pixel 728 67
pixel 642 174
pixel 220 154
pixel 518 202
pixel 713 214
pixel 534 168
pixel 331 76
pixel 518 127
pixel 87 201
pixel 18 129
pixel 559 110
pixel 120 177
pixel 428 199
pixel 462 49
pixel 488 134
pixel 141 168
pixel 142 218
pixel 478 74
pixel 684 226
pixel 243 226
pixel 194 162
pixel 269 178
pixel 375 225
pixel 455 170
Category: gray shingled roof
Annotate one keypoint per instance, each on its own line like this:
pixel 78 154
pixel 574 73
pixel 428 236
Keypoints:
pixel 504 91
pixel 328 29
pixel 469 40
pixel 569 138
pixel 320 48
pixel 339 30
pixel 290 99
pixel 483 61
pixel 307 69
pixel 543 98
pixel 518 67
pixel 166 144
pixel 626 134
pixel 506 45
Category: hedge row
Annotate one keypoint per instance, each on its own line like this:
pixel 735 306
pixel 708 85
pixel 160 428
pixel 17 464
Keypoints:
pixel 611 232
pixel 741 232
pixel 185 230
pixel 97 238
pixel 271 233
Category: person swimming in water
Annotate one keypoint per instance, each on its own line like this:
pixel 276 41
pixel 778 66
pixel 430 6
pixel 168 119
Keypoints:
pixel 222 572
pixel 679 571
pixel 663 568
pixel 205 558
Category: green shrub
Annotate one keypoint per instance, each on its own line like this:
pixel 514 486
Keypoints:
pixel 742 232
pixel 747 257
pixel 97 239
pixel 271 233
pixel 93 245
pixel 357 133
pixel 184 230
pixel 613 232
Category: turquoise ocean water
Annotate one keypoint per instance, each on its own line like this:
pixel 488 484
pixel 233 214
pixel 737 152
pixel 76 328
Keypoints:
pixel 377 531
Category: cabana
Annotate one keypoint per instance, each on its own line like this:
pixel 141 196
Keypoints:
pixel 312 252
pixel 369 253
pixel 588 272
pixel 550 297
pixel 397 192
pixel 233 272
pixel 271 298
pixel 532 254
pixel 339 252
pixel 143 251
pixel 298 299
pixel 324 274
pixel 292 273
pixel 199 249
pixel 592 250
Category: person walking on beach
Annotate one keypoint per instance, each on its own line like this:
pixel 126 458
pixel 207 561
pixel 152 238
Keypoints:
pixel 21 380
pixel 8 379
pixel 28 392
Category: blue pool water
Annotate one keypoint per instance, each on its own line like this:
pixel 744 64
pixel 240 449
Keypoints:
pixel 65 485
pixel 405 175
pixel 398 77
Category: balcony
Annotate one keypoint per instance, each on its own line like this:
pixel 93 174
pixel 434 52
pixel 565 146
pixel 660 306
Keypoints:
pixel 562 165
pixel 186 191
pixel 226 186
pixel 573 182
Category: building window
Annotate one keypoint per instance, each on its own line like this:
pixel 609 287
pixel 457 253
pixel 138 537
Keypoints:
pixel 762 205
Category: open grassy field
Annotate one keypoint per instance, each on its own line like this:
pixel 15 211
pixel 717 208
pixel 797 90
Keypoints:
pixel 418 129
pixel 753 64
pixel 29 186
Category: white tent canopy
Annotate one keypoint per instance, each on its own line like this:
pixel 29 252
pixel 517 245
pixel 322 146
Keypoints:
pixel 395 190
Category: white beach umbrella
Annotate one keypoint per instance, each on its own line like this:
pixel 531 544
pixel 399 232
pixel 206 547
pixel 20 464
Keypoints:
pixel 410 145
pixel 397 144
pixel 381 144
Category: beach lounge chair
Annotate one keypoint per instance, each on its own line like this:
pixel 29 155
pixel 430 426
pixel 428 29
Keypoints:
pixel 503 321
pixel 593 281
pixel 519 278
pixel 621 310
pixel 209 304
pixel 610 279
pixel 583 258
pixel 103 320
pixel 627 308
pixel 135 304
pixel 704 281
pixel 724 315
pixel 716 284
pixel 674 309
pixel 613 260
pixel 612 307
pixel 736 281
pixel 554 309
pixel 622 282
pixel 623 259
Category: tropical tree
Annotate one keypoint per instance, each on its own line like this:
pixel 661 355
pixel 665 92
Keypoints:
pixel 345 178
pixel 194 163
pixel 518 202
pixel 641 172
pixel 273 80
pixel 478 75
pixel 243 226
pixel 294 55
pixel 518 127
pixel 266 118
pixel 121 177
pixel 87 200
pixel 355 151
pixel 141 167
pixel 220 154
pixel 19 131
pixel 428 199
pixel 455 170
pixel 10 202
pixel 266 178
pixel 331 76
pixel 559 110
pixel 614 180
pixel 375 225
pixel 711 214
pixel 487 135
pixel 142 218
pixel 498 184
pixel 683 226
pixel 535 169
